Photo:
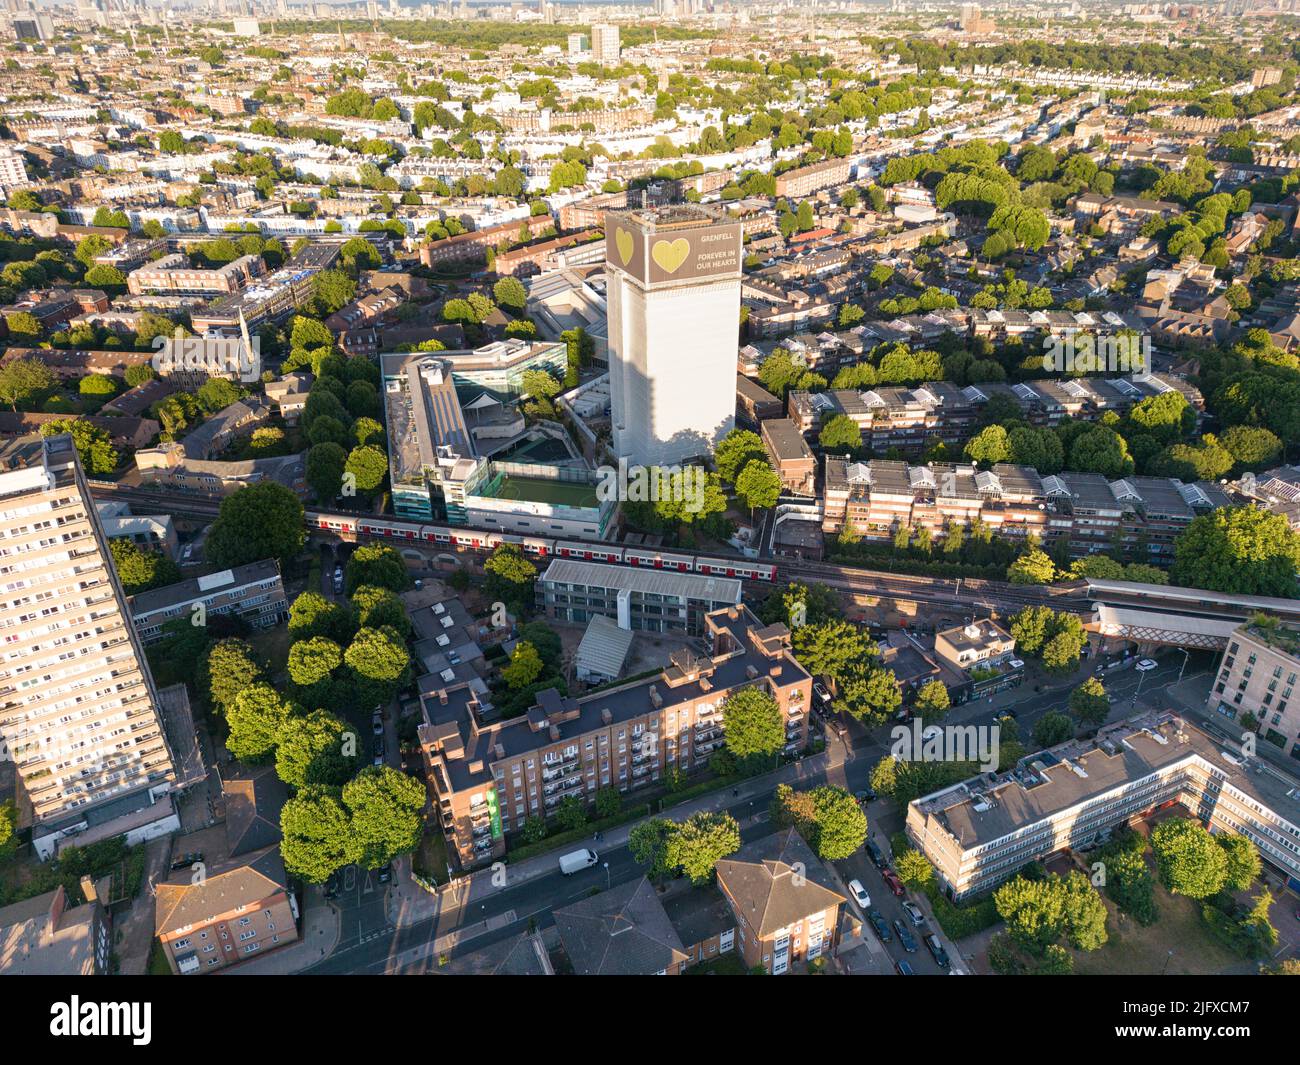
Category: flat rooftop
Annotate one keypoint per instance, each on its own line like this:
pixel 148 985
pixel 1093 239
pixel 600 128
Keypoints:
pixel 1047 783
pixel 643 581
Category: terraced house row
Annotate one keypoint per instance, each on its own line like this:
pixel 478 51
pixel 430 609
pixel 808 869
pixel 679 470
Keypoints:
pixel 1142 515
pixel 489 774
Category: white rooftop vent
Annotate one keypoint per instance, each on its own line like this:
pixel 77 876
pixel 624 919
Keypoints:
pixel 216 580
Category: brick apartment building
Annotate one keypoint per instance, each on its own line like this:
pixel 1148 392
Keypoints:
pixel 253 592
pixel 173 274
pixel 787 907
pixel 472 246
pixel 791 456
pixel 805 180
pixel 1140 515
pixel 490 774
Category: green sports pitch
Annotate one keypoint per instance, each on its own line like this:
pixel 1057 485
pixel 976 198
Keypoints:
pixel 541 490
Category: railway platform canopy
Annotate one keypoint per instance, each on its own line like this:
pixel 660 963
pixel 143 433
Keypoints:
pixel 1194 618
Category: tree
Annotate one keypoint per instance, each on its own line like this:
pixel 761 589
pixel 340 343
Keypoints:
pixel 571 813
pixel 840 433
pixel 379 662
pixel 735 451
pixel 324 469
pixel 700 842
pixel 1188 859
pixel 375 607
pixel 1244 866
pixel 386 806
pixel 510 577
pixel 648 844
pixel 255 718
pixel 913 868
pixel 1038 912
pixel 989 446
pixel 318 839
pixel 227 668
pixel 834 649
pixel 828 817
pixel 317 748
pixel 139 569
pixel 368 466
pixel 753 724
pixel 870 694
pixel 1033 566
pixel 23 325
pixel 313 615
pixel 332 290
pixel 932 700
pixel 313 660
pixel 524 668
pixel 1240 550
pixel 94 445
pixel 1052 728
pixel 510 292
pixel 259 521
pixel 1089 702
pixel 758 486
pixel 378 566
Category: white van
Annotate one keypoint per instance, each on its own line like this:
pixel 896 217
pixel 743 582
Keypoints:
pixel 577 860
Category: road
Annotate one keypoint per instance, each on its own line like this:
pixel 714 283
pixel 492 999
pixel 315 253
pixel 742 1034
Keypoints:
pixel 370 945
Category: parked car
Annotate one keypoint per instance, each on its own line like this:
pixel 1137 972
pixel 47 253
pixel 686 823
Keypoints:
pixel 378 752
pixel 332 887
pixel 186 861
pixel 936 950
pixel 823 696
pixel 865 796
pixel 876 855
pixel 1145 664
pixel 386 873
pixel 892 882
pixel 859 894
pixel 377 725
pixel 904 936
pixel 880 925
pixel 904 967
pixel 914 913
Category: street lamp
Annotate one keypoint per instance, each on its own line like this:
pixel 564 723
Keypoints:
pixel 1186 658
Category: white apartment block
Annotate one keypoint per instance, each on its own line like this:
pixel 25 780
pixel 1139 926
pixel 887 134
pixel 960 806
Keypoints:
pixel 604 45
pixel 79 713
pixel 673 300
pixel 983 831
pixel 13 171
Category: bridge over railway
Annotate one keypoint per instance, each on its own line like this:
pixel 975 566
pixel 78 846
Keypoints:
pixel 1158 614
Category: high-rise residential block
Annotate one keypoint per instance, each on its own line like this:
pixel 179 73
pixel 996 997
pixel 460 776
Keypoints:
pixel 79 713
pixel 673 296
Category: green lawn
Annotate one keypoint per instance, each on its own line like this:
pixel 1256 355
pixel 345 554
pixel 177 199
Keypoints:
pixel 1135 950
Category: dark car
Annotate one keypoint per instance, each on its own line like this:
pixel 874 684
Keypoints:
pixel 823 696
pixel 876 855
pixel 879 924
pixel 892 882
pixel 904 967
pixel 904 936
pixel 865 796
pixel 332 887
pixel 186 861
pixel 936 950
pixel 386 873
